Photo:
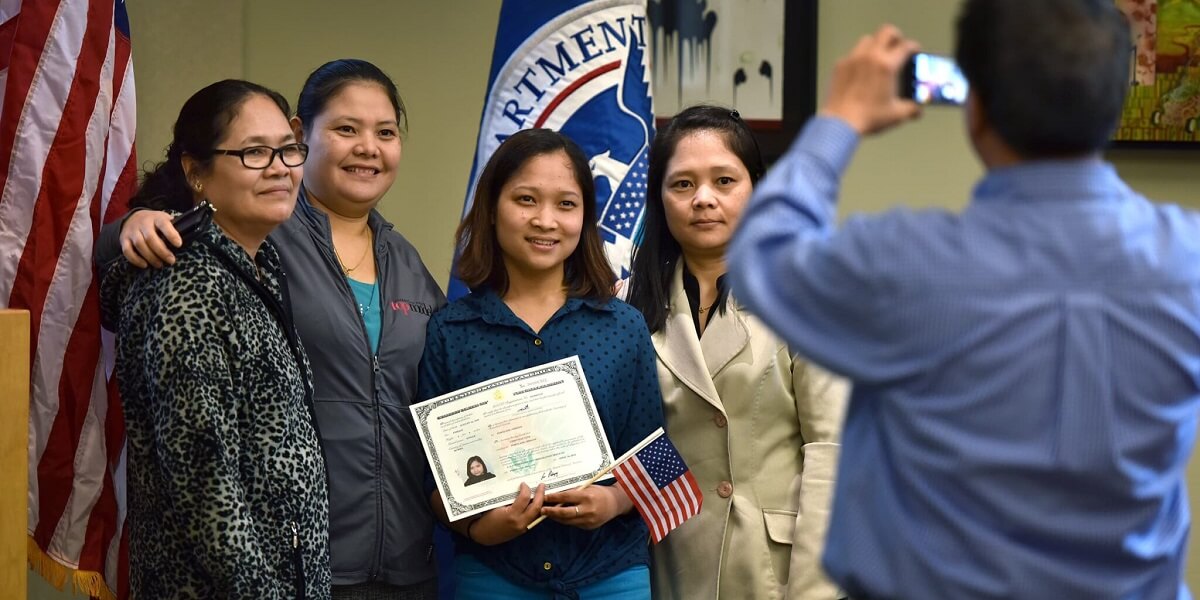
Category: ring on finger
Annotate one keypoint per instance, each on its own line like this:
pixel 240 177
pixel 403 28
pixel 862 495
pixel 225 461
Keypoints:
pixel 577 511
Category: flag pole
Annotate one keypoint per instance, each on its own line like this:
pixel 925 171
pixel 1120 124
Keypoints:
pixel 657 433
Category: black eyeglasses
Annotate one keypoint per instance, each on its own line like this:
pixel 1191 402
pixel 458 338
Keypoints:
pixel 260 157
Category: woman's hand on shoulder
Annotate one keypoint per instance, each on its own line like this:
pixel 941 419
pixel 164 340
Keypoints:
pixel 144 238
pixel 589 507
pixel 500 525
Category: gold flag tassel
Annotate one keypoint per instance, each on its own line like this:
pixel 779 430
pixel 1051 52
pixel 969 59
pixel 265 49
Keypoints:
pixel 54 572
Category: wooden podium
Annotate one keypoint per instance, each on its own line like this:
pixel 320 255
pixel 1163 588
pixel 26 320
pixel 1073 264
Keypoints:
pixel 14 451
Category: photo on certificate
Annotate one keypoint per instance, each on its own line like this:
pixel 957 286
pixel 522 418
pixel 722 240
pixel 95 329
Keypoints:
pixel 538 425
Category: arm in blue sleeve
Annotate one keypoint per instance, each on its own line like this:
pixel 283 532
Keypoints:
pixel 645 410
pixel 432 380
pixel 817 287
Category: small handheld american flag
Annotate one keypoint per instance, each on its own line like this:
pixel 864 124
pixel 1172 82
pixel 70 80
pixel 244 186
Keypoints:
pixel 659 484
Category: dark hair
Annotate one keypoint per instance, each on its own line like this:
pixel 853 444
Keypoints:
pixel 481 263
pixel 478 460
pixel 1051 75
pixel 328 79
pixel 202 123
pixel 655 258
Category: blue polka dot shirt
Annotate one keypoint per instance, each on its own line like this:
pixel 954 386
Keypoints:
pixel 477 338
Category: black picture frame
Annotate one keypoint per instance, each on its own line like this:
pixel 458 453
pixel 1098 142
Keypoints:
pixel 799 81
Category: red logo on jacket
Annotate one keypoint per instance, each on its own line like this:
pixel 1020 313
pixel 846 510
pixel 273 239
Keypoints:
pixel 407 307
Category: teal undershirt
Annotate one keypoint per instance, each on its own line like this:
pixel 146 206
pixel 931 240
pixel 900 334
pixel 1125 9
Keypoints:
pixel 367 297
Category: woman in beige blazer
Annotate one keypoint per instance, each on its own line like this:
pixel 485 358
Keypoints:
pixel 757 426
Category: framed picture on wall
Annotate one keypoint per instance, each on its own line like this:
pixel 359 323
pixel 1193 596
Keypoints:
pixel 755 56
pixel 1162 108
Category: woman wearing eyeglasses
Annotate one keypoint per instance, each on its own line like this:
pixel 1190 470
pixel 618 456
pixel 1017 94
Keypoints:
pixel 227 489
pixel 361 298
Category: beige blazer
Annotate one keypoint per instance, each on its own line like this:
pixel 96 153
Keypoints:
pixel 759 430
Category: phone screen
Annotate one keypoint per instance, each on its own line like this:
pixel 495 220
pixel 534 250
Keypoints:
pixel 933 79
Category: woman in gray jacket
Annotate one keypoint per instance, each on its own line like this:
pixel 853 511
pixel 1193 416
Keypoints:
pixel 361 298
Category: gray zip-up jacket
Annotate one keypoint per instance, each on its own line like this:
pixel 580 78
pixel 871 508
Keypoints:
pixel 380 523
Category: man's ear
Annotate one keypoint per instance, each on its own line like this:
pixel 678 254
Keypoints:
pixel 977 120
pixel 989 145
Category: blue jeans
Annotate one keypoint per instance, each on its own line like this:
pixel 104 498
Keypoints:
pixel 475 581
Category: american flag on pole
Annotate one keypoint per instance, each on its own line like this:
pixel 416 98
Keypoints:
pixel 660 485
pixel 67 164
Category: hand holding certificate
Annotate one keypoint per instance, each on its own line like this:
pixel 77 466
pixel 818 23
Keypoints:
pixel 536 426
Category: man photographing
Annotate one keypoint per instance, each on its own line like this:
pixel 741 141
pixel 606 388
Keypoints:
pixel 1026 372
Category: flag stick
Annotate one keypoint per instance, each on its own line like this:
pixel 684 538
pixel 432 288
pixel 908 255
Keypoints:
pixel 605 471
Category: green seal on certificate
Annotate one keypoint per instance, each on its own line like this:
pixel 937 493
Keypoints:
pixel 521 461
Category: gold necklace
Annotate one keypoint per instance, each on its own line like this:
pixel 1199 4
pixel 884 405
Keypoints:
pixel 348 270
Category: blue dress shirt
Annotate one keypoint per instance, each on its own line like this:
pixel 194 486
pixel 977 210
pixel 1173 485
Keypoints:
pixel 1026 375
pixel 477 338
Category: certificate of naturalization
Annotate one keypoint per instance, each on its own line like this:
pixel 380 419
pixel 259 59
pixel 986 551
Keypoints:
pixel 534 426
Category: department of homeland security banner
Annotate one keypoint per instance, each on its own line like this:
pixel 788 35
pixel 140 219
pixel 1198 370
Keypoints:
pixel 579 67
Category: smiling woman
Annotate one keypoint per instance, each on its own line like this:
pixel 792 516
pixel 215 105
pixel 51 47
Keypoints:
pixel 539 217
pixel 361 297
pixel 251 196
pixel 538 171
pixel 226 483
pixel 357 137
pixel 542 291
pixel 355 281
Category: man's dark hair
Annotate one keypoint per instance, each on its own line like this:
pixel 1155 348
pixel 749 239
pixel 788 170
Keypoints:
pixel 1051 75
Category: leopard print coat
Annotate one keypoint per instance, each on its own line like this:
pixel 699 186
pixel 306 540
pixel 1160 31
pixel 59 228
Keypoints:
pixel 227 486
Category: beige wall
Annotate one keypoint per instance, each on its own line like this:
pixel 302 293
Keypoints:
pixel 929 162
pixel 439 53
pixel 178 47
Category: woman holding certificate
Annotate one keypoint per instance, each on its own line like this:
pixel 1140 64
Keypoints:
pixel 758 426
pixel 542 291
